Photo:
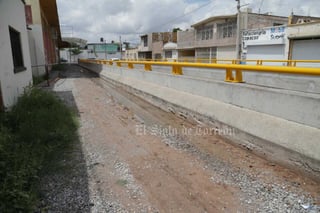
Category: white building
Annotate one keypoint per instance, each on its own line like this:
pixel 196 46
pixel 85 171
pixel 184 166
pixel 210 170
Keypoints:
pixel 297 41
pixel 170 51
pixel 304 42
pixel 15 63
pixel 265 44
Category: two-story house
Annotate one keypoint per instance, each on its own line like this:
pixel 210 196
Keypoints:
pixel 215 37
pixel 151 45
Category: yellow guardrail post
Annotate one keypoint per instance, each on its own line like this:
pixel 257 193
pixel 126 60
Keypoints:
pixel 176 70
pixel 130 65
pixel 238 78
pixel 110 63
pixel 118 63
pixel 294 63
pixel 229 76
pixel 147 67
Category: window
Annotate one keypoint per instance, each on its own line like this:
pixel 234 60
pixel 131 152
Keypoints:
pixel 227 30
pixel 144 40
pixel 16 49
pixel 205 33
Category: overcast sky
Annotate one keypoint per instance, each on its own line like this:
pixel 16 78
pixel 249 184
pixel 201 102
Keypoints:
pixel 92 19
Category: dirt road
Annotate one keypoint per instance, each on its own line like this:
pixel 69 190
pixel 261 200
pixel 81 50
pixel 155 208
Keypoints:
pixel 139 158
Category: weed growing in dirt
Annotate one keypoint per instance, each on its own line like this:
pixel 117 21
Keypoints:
pixel 32 134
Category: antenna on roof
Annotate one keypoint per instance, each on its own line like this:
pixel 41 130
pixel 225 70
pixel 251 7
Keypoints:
pixel 260 6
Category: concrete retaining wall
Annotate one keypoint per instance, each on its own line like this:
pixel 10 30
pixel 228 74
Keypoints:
pixel 294 106
pixel 300 83
pixel 279 124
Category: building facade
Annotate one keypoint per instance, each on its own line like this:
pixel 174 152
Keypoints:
pixel 131 54
pixel 44 34
pixel 103 51
pixel 304 39
pixel 215 37
pixel 15 63
pixel 265 43
pixel 151 45
pixel 299 40
pixel 186 45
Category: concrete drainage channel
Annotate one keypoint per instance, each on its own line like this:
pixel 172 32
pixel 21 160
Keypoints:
pixel 256 192
pixel 265 148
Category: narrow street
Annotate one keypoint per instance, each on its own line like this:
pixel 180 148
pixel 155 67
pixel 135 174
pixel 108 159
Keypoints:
pixel 134 157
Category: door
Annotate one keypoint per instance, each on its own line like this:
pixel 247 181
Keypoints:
pixel 266 52
pixel 226 53
pixel 306 50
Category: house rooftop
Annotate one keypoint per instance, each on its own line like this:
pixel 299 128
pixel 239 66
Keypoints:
pixel 213 18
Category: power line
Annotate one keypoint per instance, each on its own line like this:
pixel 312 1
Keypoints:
pixel 176 18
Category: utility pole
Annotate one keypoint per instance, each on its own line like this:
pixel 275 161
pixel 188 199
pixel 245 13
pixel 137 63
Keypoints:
pixel 238 31
pixel 120 48
pixel 103 41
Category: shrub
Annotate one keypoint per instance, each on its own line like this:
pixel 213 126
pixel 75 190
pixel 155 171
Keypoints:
pixel 37 128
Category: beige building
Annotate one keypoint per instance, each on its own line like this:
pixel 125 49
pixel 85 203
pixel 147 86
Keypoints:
pixel 131 54
pixel 151 45
pixel 215 37
pixel 44 34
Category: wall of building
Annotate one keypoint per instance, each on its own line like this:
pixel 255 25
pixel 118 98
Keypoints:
pixel 43 40
pixel 216 40
pixel 185 39
pixel 36 40
pixel 131 54
pixel 13 84
pixel 306 38
pixel 265 44
pixel 50 43
pixel 226 53
pixel 262 20
pixel 36 14
pixel 157 50
pixel 145 47
pixel 186 54
pixel 37 53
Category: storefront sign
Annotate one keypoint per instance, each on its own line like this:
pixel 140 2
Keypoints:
pixel 267 34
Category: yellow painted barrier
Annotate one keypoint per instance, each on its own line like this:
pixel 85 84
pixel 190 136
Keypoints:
pixel 256 61
pixel 233 71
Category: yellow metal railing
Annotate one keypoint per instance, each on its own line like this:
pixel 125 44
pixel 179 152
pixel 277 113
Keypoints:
pixel 233 70
pixel 256 61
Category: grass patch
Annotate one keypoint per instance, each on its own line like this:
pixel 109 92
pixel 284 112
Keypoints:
pixel 32 134
pixel 122 182
pixel 38 79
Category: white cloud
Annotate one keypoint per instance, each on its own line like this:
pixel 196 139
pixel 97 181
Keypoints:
pixel 92 19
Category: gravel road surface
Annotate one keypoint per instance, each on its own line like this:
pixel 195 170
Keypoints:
pixel 134 157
